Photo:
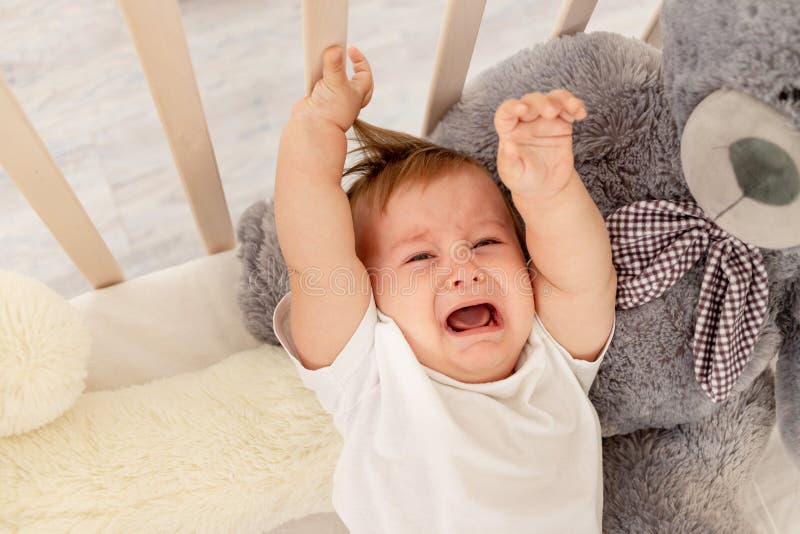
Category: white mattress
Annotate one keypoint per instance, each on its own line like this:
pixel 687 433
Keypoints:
pixel 186 317
pixel 179 319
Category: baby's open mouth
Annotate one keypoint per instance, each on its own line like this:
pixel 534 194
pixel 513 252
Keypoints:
pixel 482 317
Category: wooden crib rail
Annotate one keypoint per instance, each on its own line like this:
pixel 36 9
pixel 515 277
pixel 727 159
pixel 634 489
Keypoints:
pixel 457 39
pixel 160 41
pixel 158 35
pixel 574 16
pixel 460 26
pixel 25 158
pixel 652 32
pixel 324 25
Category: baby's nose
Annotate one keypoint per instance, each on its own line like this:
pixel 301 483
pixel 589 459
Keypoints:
pixel 457 281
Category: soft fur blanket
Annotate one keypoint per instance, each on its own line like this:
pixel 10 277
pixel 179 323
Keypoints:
pixel 241 446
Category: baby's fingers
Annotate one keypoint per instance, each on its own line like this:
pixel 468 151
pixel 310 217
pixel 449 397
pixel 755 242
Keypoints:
pixel 570 105
pixel 556 103
pixel 333 67
pixel 509 163
pixel 362 79
pixel 537 104
pixel 506 117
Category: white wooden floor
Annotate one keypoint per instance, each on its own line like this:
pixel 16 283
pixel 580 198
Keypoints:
pixel 73 68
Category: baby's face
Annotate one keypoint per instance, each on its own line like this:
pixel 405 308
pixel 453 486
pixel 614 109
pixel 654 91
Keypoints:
pixel 442 248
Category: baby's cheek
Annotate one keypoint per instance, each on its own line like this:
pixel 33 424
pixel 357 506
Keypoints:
pixel 523 280
pixel 417 310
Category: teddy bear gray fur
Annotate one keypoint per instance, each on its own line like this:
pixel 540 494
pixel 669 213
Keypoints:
pixel 752 47
pixel 673 460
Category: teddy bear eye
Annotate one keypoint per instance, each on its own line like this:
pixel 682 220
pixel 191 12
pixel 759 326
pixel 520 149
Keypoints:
pixel 789 93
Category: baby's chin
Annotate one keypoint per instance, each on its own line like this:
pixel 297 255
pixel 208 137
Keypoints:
pixel 485 357
pixel 478 364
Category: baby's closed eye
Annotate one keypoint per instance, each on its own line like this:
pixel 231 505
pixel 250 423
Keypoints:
pixel 418 257
pixel 483 242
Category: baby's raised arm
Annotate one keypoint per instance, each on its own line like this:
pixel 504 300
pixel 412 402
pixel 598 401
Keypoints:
pixel 312 213
pixel 575 282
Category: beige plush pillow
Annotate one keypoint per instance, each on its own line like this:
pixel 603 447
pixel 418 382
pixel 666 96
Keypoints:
pixel 44 350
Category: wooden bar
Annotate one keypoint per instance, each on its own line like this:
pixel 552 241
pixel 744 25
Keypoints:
pixel 158 35
pixel 460 26
pixel 652 32
pixel 26 159
pixel 574 16
pixel 324 25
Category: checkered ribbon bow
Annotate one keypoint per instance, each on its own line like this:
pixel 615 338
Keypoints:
pixel 654 243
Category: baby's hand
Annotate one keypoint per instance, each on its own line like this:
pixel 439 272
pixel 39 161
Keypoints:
pixel 334 97
pixel 534 156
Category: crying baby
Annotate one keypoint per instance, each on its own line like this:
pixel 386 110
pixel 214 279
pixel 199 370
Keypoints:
pixel 456 371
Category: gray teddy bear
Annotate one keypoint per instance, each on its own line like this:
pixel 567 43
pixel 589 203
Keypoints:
pixel 698 145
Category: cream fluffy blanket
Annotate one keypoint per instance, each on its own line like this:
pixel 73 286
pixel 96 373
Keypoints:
pixel 241 446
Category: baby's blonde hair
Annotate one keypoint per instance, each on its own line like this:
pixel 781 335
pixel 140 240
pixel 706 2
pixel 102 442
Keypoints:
pixel 388 159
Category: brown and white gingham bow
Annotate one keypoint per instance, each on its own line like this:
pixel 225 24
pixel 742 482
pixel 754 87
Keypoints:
pixel 654 243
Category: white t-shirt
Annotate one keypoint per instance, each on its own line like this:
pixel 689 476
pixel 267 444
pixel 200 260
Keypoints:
pixel 423 452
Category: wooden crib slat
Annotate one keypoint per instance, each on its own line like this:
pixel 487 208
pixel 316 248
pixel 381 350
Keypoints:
pixel 160 41
pixel 574 16
pixel 26 159
pixel 460 26
pixel 324 25
pixel 652 32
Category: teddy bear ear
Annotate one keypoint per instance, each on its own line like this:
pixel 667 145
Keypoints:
pixel 741 160
pixel 44 354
